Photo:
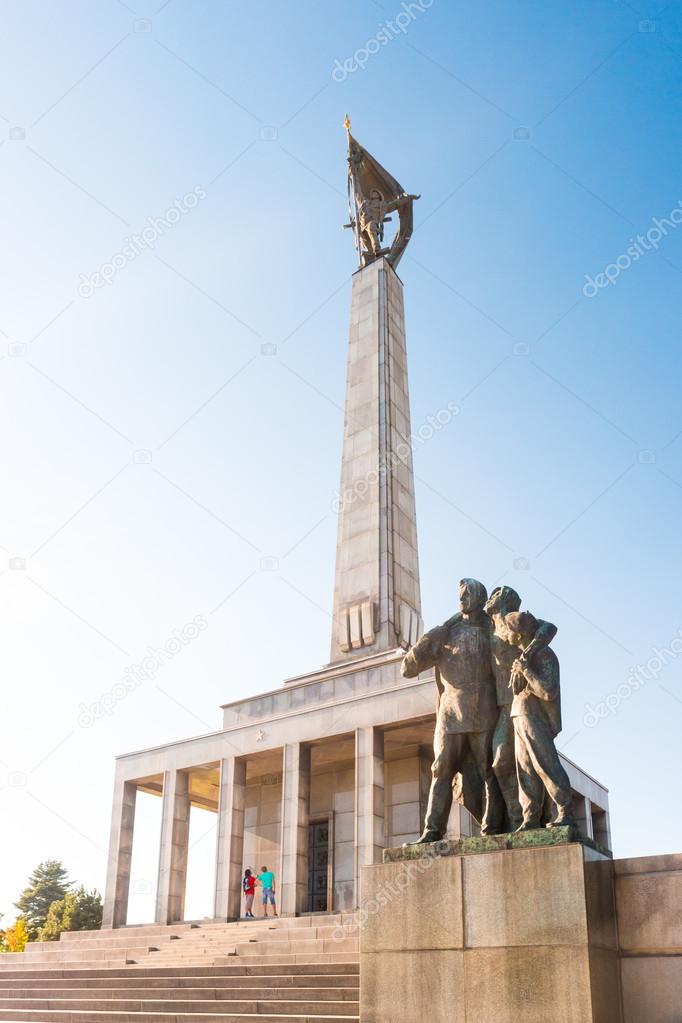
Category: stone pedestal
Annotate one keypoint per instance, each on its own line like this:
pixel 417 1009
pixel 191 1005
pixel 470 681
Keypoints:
pixel 501 935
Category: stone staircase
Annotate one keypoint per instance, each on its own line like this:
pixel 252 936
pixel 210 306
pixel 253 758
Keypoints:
pixel 290 970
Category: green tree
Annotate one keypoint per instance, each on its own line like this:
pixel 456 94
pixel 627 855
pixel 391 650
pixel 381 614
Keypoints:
pixel 77 911
pixel 47 884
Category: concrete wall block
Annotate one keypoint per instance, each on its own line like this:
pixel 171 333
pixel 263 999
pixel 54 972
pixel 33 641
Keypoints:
pixel 651 989
pixel 344 861
pixel 406 818
pixel 412 906
pixel 505 985
pixel 528 877
pixel 649 912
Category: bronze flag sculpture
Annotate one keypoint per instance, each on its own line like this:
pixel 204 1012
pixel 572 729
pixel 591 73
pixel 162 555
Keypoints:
pixel 373 193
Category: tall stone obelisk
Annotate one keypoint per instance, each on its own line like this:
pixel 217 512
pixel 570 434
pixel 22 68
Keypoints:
pixel 377 603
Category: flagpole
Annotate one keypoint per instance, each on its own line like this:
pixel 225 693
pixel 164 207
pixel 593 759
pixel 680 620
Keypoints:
pixel 351 179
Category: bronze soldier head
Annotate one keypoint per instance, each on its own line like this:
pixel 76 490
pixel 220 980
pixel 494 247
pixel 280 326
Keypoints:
pixel 472 596
pixel 522 626
pixel 503 600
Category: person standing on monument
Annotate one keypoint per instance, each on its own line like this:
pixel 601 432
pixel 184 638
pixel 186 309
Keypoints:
pixel 536 714
pixel 467 706
pixel 249 889
pixel 266 879
pixel 502 601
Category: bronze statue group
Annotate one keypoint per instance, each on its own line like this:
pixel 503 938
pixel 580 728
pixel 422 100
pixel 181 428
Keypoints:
pixel 499 711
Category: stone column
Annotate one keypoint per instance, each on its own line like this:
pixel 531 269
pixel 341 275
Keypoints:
pixel 589 830
pixel 601 826
pixel 170 891
pixel 369 801
pixel 377 601
pixel 115 909
pixel 293 887
pixel 582 811
pixel 230 840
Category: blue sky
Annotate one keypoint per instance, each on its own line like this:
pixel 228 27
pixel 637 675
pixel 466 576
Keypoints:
pixel 543 139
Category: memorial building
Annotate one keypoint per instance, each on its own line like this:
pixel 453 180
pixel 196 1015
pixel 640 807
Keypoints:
pixel 317 776
pixel 436 857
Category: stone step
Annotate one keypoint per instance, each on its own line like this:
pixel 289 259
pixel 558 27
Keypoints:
pixel 221 944
pixel 119 941
pixel 244 951
pixel 315 945
pixel 217 961
pixel 241 993
pixel 86 964
pixel 147 930
pixel 266 957
pixel 110 939
pixel 135 931
pixel 250 1007
pixel 53 953
pixel 234 968
pixel 275 981
pixel 109 949
pixel 88 1016
pixel 334 959
pixel 245 933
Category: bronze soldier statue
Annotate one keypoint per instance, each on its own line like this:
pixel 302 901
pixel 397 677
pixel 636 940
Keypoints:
pixel 467 706
pixel 536 714
pixel 502 601
pixel 372 215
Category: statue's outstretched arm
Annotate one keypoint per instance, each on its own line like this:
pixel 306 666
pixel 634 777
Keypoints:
pixel 395 204
pixel 423 655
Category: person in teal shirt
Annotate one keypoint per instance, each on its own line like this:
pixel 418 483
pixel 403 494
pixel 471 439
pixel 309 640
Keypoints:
pixel 266 879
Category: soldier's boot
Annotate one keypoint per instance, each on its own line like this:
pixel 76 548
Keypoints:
pixel 566 820
pixel 529 825
pixel 429 835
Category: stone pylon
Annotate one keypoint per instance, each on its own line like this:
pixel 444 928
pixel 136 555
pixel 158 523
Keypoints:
pixel 377 603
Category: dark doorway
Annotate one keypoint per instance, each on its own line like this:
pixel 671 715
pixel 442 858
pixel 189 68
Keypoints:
pixel 318 866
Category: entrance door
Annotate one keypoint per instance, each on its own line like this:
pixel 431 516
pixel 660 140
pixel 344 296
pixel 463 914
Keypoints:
pixel 319 862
